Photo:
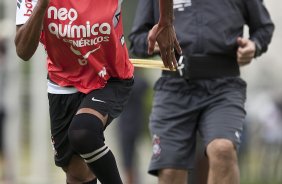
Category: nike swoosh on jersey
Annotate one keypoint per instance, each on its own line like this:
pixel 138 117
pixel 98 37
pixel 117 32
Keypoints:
pixel 97 100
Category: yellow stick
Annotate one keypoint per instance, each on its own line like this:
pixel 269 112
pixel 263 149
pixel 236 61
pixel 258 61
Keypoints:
pixel 148 63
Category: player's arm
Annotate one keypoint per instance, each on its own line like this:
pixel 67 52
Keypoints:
pixel 166 13
pixel 28 34
pixel 261 27
pixel 261 30
pixel 164 34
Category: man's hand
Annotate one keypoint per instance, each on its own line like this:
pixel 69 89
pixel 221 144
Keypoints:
pixel 246 51
pixel 166 39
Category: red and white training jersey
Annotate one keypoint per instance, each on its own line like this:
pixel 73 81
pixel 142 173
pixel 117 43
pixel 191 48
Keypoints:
pixel 84 41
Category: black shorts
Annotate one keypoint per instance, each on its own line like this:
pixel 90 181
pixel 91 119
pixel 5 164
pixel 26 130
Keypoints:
pixel 63 107
pixel 181 108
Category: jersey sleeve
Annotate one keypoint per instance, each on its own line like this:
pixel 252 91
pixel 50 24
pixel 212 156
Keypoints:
pixel 24 10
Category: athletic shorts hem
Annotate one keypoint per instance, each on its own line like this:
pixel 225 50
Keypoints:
pixel 154 169
pixel 235 142
pixel 66 160
pixel 62 163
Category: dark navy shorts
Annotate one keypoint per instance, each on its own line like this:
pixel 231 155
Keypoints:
pixel 214 108
pixel 109 100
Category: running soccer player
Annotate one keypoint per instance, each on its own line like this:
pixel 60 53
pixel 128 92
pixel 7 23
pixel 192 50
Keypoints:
pixel 89 75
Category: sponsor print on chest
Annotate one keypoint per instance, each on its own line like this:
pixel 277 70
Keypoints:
pixel 77 32
pixel 63 24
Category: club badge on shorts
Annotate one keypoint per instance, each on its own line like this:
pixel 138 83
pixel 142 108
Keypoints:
pixel 156 146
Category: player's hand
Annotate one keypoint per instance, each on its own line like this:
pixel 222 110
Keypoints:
pixel 166 38
pixel 246 51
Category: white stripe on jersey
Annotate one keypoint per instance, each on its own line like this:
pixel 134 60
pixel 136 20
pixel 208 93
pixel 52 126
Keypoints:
pixel 24 10
pixel 117 13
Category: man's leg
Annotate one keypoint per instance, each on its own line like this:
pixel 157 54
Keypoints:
pixel 221 126
pixel 223 164
pixel 172 176
pixel 86 136
pixel 62 110
pixel 77 172
pixel 173 128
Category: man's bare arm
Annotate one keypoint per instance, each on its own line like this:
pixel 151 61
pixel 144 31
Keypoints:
pixel 164 34
pixel 166 12
pixel 28 35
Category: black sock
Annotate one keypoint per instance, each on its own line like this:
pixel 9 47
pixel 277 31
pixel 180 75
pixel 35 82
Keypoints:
pixel 105 168
pixel 86 137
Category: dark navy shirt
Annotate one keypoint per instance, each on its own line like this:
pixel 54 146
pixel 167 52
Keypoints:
pixel 206 27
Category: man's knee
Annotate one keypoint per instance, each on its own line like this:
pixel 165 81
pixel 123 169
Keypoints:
pixel 86 133
pixel 221 150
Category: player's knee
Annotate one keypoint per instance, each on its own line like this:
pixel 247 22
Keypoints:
pixel 86 133
pixel 221 150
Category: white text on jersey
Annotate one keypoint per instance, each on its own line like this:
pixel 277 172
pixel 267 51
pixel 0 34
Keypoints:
pixel 74 31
